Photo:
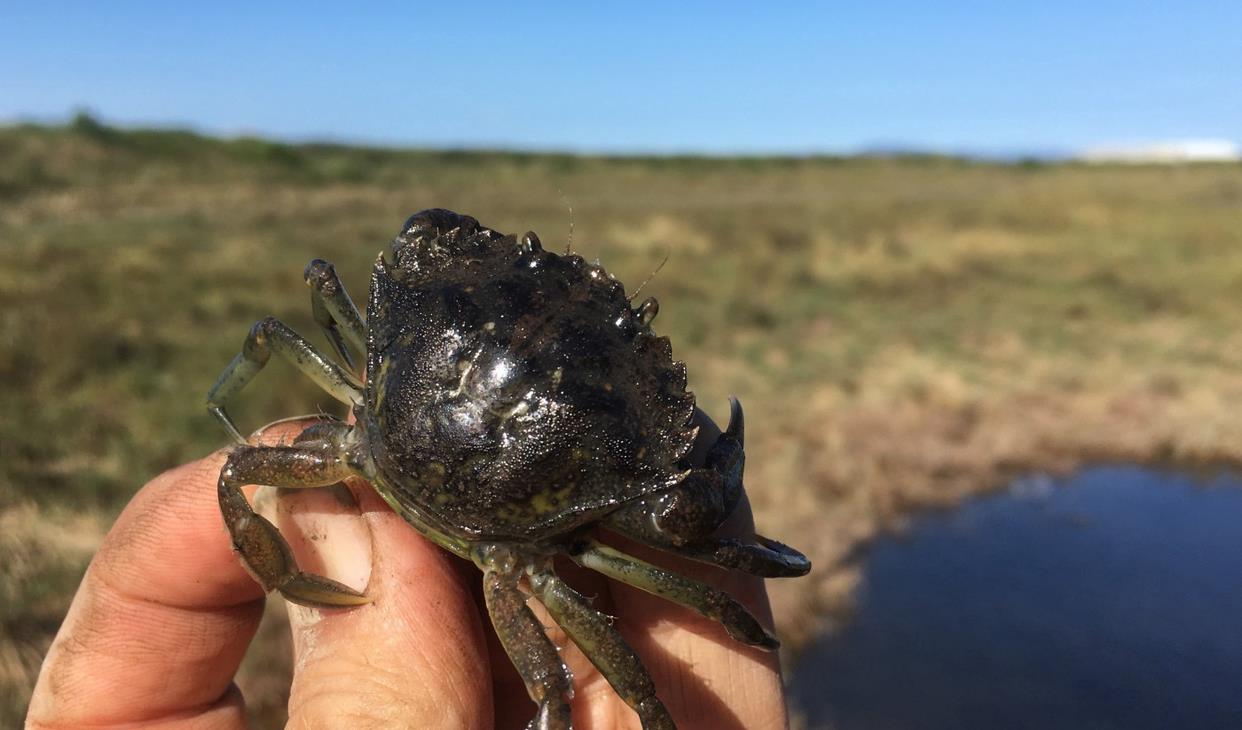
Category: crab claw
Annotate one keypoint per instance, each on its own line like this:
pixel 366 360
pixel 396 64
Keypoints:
pixel 767 557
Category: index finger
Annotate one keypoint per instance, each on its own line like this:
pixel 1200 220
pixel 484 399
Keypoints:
pixel 161 620
pixel 706 677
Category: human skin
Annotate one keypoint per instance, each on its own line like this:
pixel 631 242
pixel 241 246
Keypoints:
pixel 165 612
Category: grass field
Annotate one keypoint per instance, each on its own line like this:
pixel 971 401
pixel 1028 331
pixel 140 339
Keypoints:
pixel 903 332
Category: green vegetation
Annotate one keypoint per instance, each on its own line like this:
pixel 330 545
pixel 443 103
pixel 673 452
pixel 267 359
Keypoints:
pixel 903 332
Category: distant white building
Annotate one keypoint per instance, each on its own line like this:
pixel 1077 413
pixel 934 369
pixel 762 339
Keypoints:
pixel 1170 151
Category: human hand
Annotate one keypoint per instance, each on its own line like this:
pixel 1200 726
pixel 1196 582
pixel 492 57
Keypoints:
pixel 165 612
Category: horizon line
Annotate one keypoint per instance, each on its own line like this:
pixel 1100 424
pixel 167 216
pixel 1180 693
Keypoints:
pixel 878 149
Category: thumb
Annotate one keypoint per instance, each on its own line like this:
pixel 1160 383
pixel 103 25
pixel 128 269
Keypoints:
pixel 413 657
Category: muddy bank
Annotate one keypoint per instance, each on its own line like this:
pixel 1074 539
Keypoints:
pixel 874 468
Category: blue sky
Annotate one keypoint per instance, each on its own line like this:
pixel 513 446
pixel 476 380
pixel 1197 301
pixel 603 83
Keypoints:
pixel 704 77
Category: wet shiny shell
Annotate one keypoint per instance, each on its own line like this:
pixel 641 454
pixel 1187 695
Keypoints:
pixel 513 392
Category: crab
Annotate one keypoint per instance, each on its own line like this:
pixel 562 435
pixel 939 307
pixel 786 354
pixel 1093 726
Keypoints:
pixel 513 400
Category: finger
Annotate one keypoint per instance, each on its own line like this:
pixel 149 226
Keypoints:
pixel 704 676
pixel 161 620
pixel 413 657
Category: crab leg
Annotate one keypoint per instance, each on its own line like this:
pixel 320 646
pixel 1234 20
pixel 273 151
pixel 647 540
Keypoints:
pixel 714 604
pixel 548 680
pixel 264 552
pixel 334 311
pixel 756 554
pixel 603 645
pixel 271 335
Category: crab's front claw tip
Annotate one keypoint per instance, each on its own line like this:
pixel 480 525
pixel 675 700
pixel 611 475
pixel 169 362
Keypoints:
pixel 319 592
pixel 737 422
pixel 784 561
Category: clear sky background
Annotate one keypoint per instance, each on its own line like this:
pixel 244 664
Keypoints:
pixel 620 77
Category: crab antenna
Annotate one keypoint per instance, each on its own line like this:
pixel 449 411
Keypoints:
pixel 650 276
pixel 569 243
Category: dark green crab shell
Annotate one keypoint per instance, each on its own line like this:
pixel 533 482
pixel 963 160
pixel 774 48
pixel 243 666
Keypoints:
pixel 513 392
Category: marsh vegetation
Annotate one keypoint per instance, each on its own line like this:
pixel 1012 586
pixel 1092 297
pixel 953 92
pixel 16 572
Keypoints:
pixel 903 332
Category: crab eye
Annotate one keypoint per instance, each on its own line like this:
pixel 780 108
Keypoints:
pixel 648 310
pixel 530 243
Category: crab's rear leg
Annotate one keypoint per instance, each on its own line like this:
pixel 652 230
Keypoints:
pixel 548 681
pixel 263 551
pixel 595 635
pixel 268 336
pixel 335 311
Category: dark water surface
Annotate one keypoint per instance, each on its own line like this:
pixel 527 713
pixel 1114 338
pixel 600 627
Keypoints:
pixel 1111 599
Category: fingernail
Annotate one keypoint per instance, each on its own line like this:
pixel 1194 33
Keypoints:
pixel 288 433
